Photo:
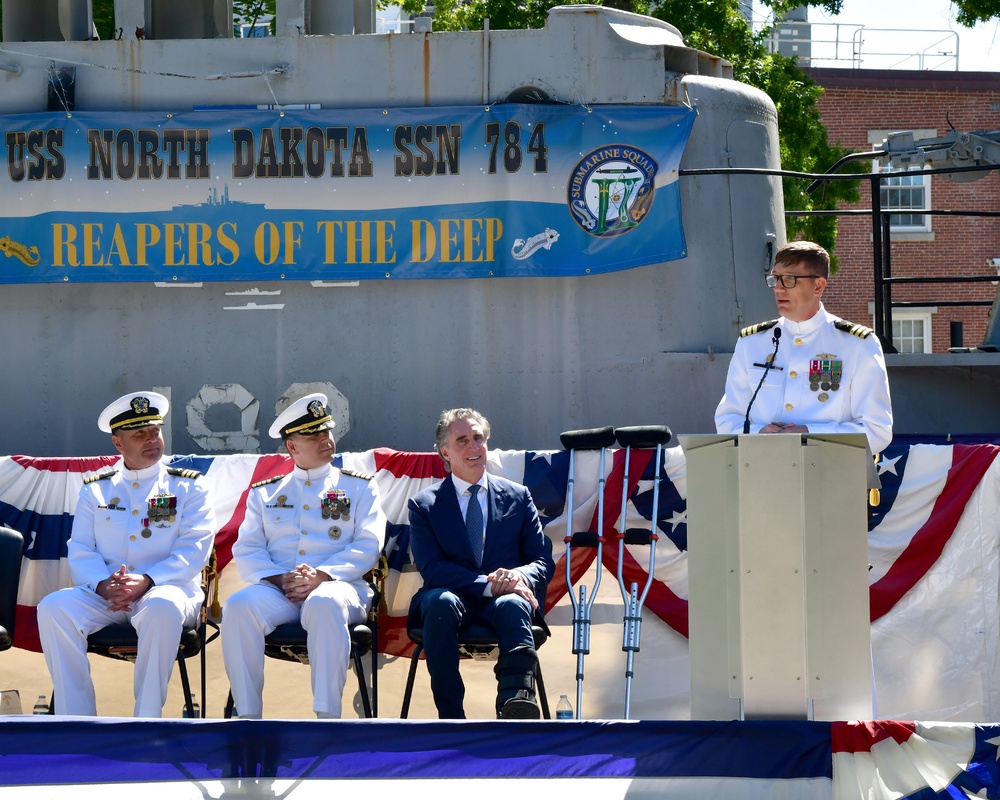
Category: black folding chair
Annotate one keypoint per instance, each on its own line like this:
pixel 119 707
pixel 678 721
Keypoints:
pixel 288 643
pixel 11 552
pixel 121 642
pixel 479 642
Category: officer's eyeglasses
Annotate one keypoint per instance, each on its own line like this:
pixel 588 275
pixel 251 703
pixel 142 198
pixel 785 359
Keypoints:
pixel 788 281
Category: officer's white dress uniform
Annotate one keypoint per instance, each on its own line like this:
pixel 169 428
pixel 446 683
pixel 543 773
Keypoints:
pixel 283 528
pixel 830 379
pixel 113 526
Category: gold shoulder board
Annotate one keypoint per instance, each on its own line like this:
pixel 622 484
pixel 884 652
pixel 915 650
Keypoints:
pixel 100 477
pixel 177 472
pixel 364 476
pixel 854 329
pixel 266 481
pixel 760 327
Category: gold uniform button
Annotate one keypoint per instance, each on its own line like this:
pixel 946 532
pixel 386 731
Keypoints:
pixel 305 508
pixel 131 568
pixel 793 374
pixel 789 406
pixel 135 512
pixel 305 533
pixel 798 342
pixel 309 483
pixel 135 485
pixel 302 552
pixel 131 538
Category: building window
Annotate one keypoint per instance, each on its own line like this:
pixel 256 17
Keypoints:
pixel 905 191
pixel 911 328
pixel 258 30
pixel 911 334
pixel 908 191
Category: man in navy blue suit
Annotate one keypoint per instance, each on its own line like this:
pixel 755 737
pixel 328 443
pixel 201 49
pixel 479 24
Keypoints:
pixel 483 565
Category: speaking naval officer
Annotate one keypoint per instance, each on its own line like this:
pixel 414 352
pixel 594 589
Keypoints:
pixel 141 536
pixel 308 539
pixel 816 372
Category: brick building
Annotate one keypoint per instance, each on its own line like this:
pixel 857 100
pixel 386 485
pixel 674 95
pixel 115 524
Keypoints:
pixel 859 107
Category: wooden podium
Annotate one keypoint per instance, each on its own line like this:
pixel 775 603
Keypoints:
pixel 778 576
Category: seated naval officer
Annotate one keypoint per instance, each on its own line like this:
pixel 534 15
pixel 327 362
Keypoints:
pixel 141 536
pixel 481 552
pixel 816 372
pixel 308 539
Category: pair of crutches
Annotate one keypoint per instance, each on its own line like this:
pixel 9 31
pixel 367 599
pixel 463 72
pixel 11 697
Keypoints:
pixel 638 437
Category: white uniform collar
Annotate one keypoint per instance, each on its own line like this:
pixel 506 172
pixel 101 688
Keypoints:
pixel 811 325
pixel 141 474
pixel 316 474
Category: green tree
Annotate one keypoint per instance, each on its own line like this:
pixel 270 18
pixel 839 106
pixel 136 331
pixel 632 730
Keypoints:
pixel 719 28
pixel 249 11
pixel 457 15
pixel 104 18
pixel 972 11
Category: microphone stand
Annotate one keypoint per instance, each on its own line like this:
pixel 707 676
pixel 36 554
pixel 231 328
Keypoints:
pixel 776 338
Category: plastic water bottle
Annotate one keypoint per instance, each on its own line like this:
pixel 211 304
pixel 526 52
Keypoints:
pixel 564 710
pixel 41 706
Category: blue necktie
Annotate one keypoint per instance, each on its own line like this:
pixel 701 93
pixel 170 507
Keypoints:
pixel 474 524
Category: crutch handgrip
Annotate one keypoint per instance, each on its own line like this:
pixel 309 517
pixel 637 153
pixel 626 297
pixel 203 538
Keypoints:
pixel 639 536
pixel 586 539
pixel 643 436
pixel 588 439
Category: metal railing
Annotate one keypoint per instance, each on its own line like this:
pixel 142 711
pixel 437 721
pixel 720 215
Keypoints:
pixel 397 25
pixel 883 279
pixel 838 44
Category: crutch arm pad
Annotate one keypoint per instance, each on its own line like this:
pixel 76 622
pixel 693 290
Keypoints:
pixel 639 536
pixel 643 436
pixel 589 439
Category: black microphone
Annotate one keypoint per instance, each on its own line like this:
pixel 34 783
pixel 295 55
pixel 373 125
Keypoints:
pixel 769 365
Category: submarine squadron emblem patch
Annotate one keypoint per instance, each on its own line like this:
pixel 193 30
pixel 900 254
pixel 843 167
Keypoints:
pixel 611 189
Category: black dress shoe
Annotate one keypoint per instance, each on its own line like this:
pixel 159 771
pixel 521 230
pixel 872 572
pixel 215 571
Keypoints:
pixel 521 706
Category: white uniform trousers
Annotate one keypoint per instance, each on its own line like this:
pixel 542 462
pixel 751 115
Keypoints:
pixel 255 611
pixel 67 617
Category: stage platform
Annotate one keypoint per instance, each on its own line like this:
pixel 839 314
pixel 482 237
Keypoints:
pixel 933 546
pixel 57 758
